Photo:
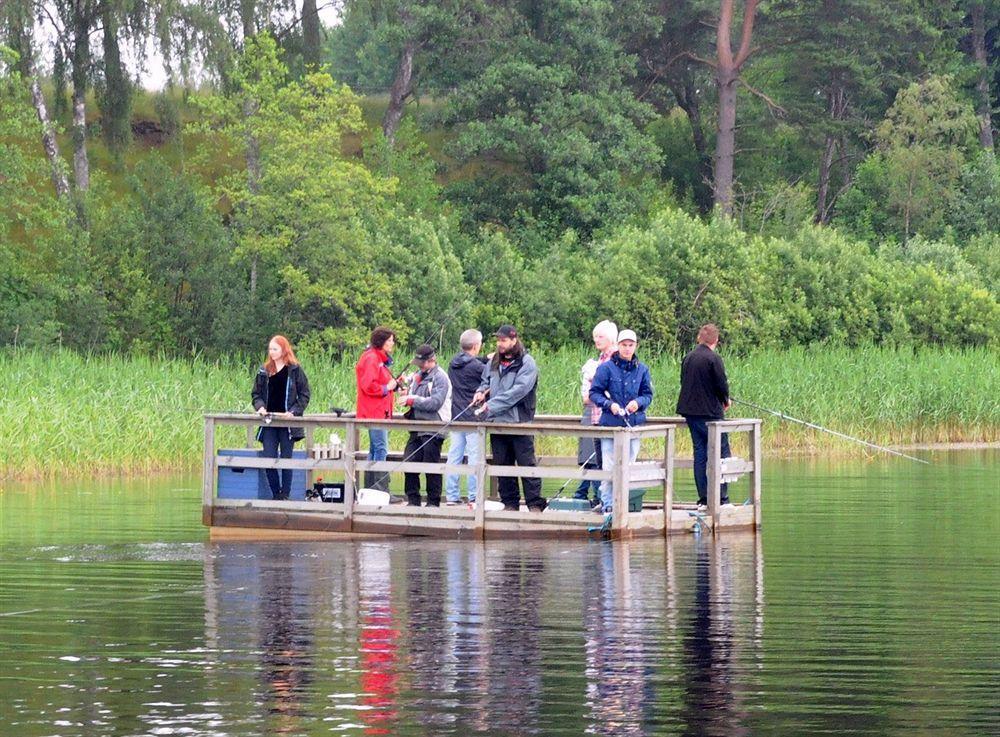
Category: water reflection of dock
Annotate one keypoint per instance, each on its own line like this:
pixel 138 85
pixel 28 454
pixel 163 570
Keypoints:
pixel 434 637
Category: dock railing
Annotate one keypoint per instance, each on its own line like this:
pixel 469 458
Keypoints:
pixel 624 476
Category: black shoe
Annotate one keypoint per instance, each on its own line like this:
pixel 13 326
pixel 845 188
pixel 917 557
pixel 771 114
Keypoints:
pixel 413 504
pixel 433 504
pixel 511 508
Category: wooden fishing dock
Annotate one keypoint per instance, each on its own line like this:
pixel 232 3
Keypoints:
pixel 237 511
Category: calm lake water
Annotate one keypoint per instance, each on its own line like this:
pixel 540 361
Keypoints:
pixel 869 604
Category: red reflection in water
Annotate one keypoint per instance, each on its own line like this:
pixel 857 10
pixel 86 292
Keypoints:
pixel 379 673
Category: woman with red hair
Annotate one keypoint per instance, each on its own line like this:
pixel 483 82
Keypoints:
pixel 281 389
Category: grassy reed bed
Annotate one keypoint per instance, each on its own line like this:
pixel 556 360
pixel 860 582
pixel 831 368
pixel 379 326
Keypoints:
pixel 66 413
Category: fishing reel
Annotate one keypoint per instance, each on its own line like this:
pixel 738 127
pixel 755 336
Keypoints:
pixel 403 382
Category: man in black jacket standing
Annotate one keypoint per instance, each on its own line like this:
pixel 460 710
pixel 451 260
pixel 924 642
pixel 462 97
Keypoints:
pixel 465 372
pixel 704 397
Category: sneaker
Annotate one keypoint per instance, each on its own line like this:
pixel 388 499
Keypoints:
pixel 413 504
pixel 511 508
pixel 701 507
pixel 596 506
pixel 536 510
pixel 450 503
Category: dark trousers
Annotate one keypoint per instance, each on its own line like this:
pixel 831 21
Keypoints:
pixel 595 462
pixel 429 453
pixel 510 450
pixel 699 438
pixel 277 439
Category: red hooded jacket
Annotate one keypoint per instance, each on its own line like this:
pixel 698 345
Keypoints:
pixel 374 399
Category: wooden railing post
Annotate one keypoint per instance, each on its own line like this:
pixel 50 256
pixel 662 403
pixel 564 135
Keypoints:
pixel 208 473
pixel 755 475
pixel 714 473
pixel 668 479
pixel 310 436
pixel 350 480
pixel 619 484
pixel 479 523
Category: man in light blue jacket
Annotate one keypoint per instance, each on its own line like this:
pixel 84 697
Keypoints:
pixel 510 380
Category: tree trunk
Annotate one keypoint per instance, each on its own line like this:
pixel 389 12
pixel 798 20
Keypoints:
pixel 116 102
pixel 81 61
pixel 727 74
pixel 311 39
pixel 823 187
pixel 49 142
pixel 23 42
pixel 983 83
pixel 837 107
pixel 248 18
pixel 402 88
pixel 687 98
pixel 725 141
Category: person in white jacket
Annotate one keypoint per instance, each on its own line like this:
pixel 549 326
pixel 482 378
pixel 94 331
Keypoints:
pixel 588 453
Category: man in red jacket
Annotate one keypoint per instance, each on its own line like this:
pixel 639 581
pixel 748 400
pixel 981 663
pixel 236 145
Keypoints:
pixel 376 387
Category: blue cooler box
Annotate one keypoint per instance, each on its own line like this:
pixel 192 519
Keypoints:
pixel 251 483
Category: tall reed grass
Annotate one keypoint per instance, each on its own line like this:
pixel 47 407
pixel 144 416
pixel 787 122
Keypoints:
pixel 66 413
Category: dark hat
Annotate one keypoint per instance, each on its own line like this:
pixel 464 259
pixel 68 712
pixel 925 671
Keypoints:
pixel 506 331
pixel 424 352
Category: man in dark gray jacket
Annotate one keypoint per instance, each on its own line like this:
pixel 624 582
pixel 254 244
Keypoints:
pixel 429 399
pixel 510 381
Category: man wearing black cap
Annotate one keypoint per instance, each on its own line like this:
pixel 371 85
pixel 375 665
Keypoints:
pixel 429 399
pixel 510 380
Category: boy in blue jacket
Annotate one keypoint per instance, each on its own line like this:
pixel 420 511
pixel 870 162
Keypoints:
pixel 623 389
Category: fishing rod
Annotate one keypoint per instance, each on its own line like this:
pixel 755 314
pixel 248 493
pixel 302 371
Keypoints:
pixel 783 416
pixel 429 440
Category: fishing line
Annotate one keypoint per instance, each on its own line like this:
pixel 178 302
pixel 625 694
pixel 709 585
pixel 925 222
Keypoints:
pixel 783 416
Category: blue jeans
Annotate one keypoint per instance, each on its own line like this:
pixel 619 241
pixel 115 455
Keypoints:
pixel 277 442
pixel 460 443
pixel 607 461
pixel 699 439
pixel 378 450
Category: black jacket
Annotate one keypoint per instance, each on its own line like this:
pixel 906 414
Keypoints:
pixel 296 396
pixel 465 372
pixel 704 387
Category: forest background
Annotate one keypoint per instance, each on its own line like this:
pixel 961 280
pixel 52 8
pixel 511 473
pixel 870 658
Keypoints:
pixel 797 172
pixel 803 173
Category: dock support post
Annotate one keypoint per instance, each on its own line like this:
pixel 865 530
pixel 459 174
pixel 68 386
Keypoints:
pixel 714 473
pixel 619 485
pixel 208 473
pixel 479 523
pixel 755 475
pixel 350 473
pixel 668 480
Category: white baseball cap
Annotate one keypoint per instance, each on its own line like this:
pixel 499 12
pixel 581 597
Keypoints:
pixel 627 335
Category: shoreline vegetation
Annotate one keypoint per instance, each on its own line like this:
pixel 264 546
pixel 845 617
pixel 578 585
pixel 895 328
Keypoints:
pixel 69 414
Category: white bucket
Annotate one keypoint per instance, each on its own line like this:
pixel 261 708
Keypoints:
pixel 372 497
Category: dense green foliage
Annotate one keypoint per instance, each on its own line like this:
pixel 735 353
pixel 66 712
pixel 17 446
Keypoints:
pixel 149 416
pixel 559 176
